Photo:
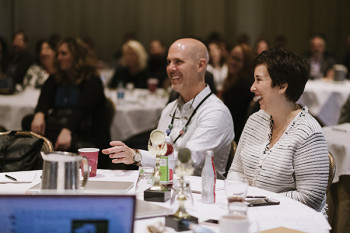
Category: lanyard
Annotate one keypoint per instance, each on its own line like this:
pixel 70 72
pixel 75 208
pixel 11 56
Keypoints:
pixel 184 129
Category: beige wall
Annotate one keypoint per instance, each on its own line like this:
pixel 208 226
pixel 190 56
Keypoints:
pixel 106 21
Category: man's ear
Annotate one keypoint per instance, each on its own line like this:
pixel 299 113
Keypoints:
pixel 202 65
pixel 283 88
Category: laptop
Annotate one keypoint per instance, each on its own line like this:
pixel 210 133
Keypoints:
pixel 62 213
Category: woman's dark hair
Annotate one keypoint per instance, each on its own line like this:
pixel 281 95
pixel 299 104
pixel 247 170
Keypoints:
pixel 84 62
pixel 285 67
pixel 52 41
pixel 222 59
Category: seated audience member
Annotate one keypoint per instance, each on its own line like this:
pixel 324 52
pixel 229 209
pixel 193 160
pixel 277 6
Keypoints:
pixel 157 62
pixel 197 120
pixel 261 45
pixel 320 60
pixel 71 102
pixel 282 148
pixel 236 92
pixel 4 57
pixel 217 65
pixel 20 60
pixel 280 42
pixel 38 73
pixel 133 67
pixel 346 58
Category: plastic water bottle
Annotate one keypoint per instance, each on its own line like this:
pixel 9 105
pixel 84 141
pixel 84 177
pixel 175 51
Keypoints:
pixel 120 93
pixel 208 179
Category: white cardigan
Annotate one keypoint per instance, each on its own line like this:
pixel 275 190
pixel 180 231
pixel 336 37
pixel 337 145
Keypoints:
pixel 296 166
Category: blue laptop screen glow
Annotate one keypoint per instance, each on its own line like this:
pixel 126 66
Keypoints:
pixel 66 213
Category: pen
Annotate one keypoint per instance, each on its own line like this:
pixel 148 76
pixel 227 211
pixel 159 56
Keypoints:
pixel 10 177
pixel 255 196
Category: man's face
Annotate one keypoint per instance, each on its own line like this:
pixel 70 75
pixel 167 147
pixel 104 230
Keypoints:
pixel 181 68
pixel 317 46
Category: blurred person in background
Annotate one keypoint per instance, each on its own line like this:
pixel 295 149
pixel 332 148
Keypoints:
pixel 157 62
pixel 217 64
pixel 261 44
pixel 346 58
pixel 4 57
pixel 132 67
pixel 320 60
pixel 236 91
pixel 280 42
pixel 45 66
pixel 71 101
pixel 20 60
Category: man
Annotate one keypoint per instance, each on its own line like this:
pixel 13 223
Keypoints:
pixel 321 61
pixel 20 60
pixel 157 61
pixel 209 128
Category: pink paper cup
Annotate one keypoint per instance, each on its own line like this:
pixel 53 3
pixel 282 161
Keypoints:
pixel 152 84
pixel 92 156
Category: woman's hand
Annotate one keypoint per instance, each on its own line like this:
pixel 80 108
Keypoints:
pixel 120 153
pixel 38 123
pixel 64 140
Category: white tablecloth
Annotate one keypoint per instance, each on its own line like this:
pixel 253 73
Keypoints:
pixel 289 213
pixel 139 112
pixel 325 99
pixel 338 139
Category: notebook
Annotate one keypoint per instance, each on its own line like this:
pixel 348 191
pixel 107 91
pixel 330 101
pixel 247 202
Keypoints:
pixel 146 209
pixel 67 213
pixel 94 186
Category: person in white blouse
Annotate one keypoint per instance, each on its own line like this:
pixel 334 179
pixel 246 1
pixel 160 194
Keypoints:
pixel 282 148
pixel 217 65
pixel 197 120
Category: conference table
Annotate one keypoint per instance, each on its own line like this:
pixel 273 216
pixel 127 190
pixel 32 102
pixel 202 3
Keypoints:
pixel 289 214
pixel 139 112
pixel 338 139
pixel 325 98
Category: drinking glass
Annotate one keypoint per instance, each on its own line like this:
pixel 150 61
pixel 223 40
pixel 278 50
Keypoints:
pixel 236 191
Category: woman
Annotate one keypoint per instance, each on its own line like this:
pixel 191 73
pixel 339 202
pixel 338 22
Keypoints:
pixel 236 94
pixel 38 73
pixel 133 66
pixel 217 65
pixel 282 148
pixel 70 101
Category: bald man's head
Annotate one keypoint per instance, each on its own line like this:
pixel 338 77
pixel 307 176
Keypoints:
pixel 187 63
pixel 193 48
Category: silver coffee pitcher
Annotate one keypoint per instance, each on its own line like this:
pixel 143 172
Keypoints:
pixel 61 171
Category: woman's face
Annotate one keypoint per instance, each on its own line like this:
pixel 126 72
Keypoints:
pixel 65 57
pixel 214 53
pixel 235 61
pixel 47 54
pixel 263 90
pixel 130 57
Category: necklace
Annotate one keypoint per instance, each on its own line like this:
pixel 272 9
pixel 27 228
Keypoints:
pixel 184 129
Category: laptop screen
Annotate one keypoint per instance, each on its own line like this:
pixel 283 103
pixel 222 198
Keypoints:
pixel 67 213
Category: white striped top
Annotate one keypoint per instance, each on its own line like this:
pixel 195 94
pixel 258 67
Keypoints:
pixel 297 166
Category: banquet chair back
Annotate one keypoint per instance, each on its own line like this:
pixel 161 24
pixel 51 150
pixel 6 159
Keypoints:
pixel 20 150
pixel 332 169
pixel 230 157
pixel 47 145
